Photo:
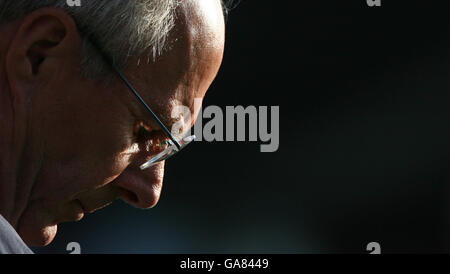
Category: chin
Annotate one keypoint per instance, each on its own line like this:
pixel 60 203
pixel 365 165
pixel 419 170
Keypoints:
pixel 37 227
pixel 33 236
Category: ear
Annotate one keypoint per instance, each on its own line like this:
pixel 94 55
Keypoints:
pixel 46 47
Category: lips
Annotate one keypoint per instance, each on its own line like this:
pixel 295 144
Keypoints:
pixel 90 209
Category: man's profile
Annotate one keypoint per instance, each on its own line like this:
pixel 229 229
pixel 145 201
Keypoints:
pixel 73 136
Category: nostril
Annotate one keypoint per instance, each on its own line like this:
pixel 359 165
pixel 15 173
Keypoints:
pixel 129 197
pixel 141 189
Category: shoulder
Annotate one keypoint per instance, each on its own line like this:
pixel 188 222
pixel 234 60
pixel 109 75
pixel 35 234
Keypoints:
pixel 10 242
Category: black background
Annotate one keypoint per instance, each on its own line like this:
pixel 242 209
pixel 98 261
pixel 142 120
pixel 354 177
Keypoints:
pixel 364 141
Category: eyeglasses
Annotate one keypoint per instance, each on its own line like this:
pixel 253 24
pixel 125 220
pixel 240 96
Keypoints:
pixel 173 146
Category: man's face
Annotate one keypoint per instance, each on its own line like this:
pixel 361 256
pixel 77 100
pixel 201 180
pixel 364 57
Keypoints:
pixel 93 139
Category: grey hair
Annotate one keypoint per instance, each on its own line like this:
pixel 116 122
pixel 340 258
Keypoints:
pixel 122 28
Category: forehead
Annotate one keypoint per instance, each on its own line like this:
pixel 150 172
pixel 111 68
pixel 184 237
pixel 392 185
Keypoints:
pixel 189 64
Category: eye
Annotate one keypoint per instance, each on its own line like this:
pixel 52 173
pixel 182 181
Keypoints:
pixel 154 140
pixel 142 132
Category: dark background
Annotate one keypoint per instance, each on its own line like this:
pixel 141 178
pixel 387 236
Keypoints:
pixel 364 151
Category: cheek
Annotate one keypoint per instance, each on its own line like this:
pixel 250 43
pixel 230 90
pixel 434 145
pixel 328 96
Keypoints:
pixel 85 143
pixel 91 134
pixel 92 154
pixel 110 154
pixel 120 162
pixel 107 135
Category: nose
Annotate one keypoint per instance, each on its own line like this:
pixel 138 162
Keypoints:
pixel 141 188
